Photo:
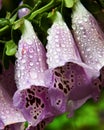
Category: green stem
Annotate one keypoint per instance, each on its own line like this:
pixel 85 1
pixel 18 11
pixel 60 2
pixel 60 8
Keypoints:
pixel 2 30
pixel 1 41
pixel 41 10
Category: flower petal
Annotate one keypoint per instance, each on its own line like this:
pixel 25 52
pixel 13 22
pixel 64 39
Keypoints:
pixel 31 59
pixel 41 125
pixel 61 46
pixel 89 36
pixel 7 89
pixel 34 104
pixel 74 82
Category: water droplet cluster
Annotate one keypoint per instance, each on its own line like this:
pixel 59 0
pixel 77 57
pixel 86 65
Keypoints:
pixel 89 37
pixel 60 47
pixel 30 63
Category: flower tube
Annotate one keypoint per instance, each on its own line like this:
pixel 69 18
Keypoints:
pixel 7 89
pixel 32 95
pixel 69 79
pixel 89 36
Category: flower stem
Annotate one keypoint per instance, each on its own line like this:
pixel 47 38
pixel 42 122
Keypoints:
pixel 41 10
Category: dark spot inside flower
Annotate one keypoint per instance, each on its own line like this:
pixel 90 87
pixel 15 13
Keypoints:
pixel 72 75
pixel 67 86
pixel 65 90
pixel 32 101
pixel 72 80
pixel 57 74
pixel 42 106
pixel 35 117
pixel 29 91
pixel 61 71
pixel 27 105
pixel 39 90
pixel 58 102
pixel 30 96
pixel 60 86
pixel 79 83
pixel 54 85
pixel 38 100
pixel 56 80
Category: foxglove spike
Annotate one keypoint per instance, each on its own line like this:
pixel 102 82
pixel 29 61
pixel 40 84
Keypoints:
pixel 34 103
pixel 60 47
pixel 31 59
pixel 89 36
pixel 7 89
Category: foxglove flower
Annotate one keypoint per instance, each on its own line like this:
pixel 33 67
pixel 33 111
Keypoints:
pixel 70 81
pixel 7 89
pixel 32 95
pixel 89 36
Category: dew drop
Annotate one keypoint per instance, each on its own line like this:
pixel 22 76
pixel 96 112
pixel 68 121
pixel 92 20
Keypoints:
pixel 31 64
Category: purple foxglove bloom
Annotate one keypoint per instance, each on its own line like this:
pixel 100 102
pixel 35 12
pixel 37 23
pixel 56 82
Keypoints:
pixel 7 89
pixel 23 12
pixel 32 95
pixel 69 80
pixel 89 36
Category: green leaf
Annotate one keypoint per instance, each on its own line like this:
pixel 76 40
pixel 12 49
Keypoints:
pixel 11 48
pixel 4 22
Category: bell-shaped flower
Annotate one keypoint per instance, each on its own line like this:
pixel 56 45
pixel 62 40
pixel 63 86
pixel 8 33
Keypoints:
pixel 32 95
pixel 69 79
pixel 89 36
pixel 8 113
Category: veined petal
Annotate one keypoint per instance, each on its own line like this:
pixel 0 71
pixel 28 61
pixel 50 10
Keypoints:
pixel 72 82
pixel 34 104
pixel 31 59
pixel 61 46
pixel 89 36
pixel 7 89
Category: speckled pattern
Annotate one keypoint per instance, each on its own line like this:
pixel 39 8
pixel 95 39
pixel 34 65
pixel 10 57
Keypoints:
pixel 71 82
pixel 89 37
pixel 34 104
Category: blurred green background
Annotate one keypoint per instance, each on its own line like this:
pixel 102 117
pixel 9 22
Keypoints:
pixel 89 117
